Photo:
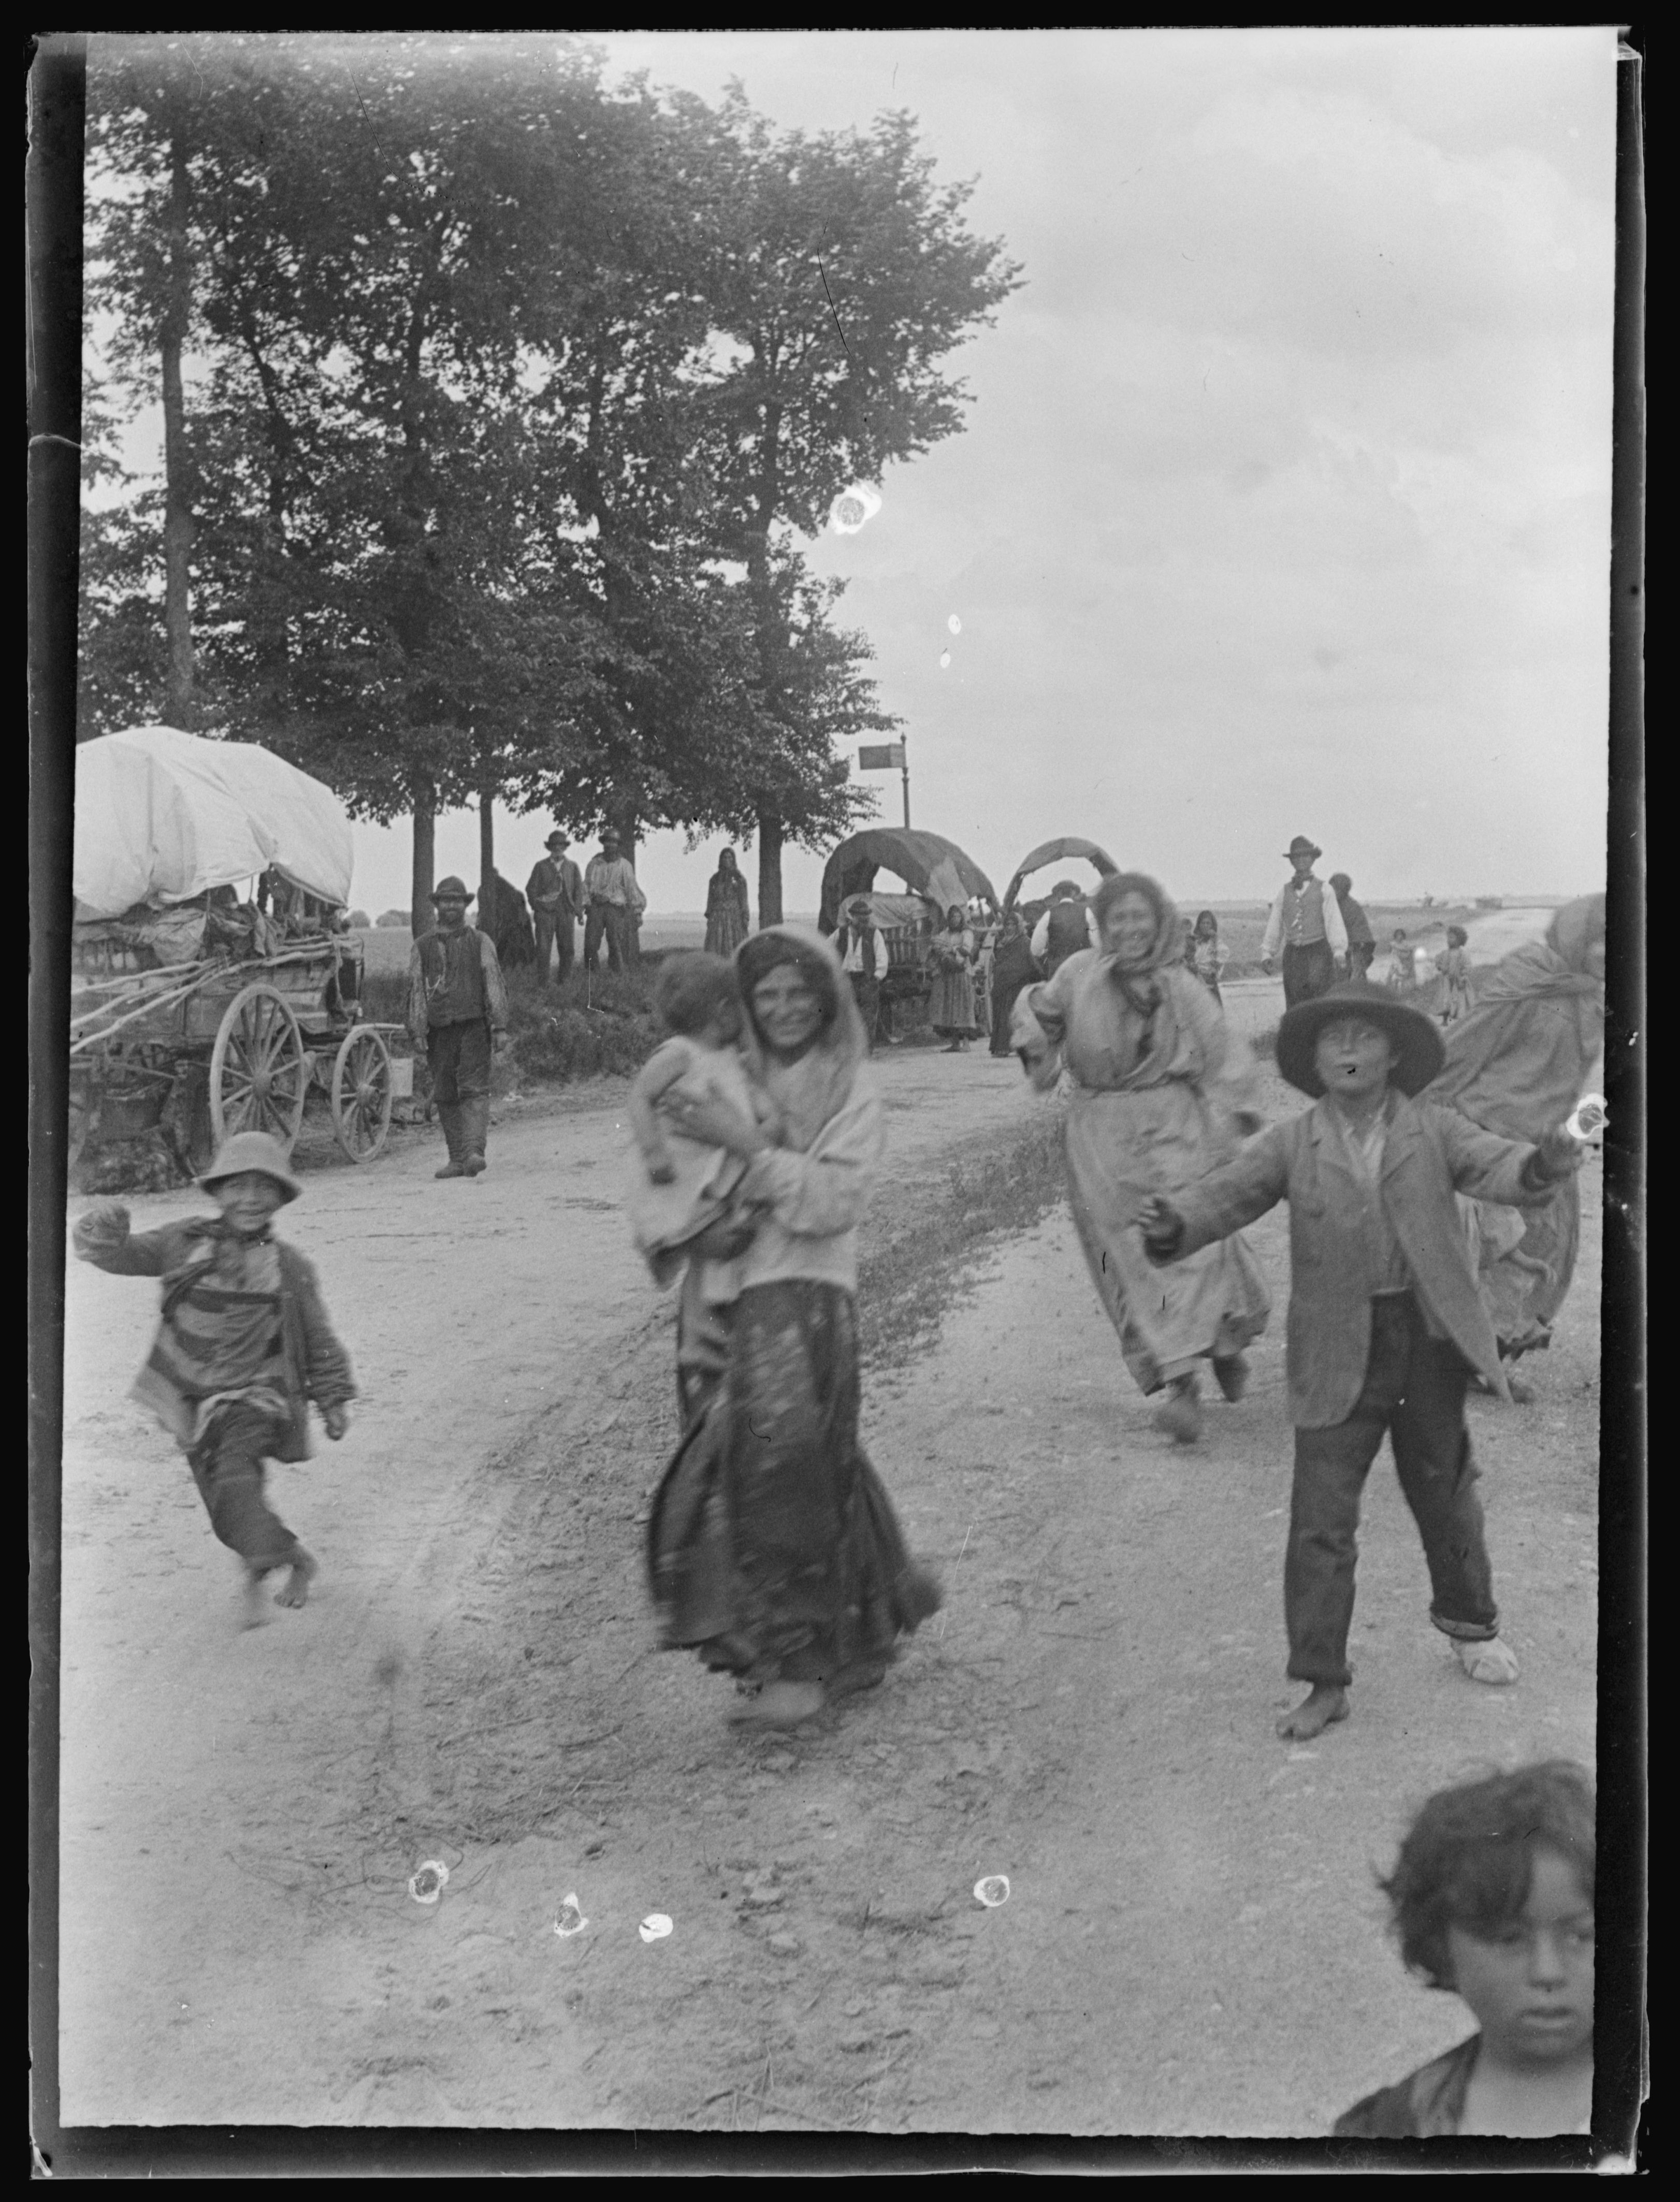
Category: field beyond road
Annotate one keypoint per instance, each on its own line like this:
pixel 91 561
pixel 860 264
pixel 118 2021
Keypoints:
pixel 1192 1943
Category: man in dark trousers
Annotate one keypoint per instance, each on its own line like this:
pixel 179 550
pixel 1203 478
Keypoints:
pixel 1305 922
pixel 1361 940
pixel 863 961
pixel 615 907
pixel 457 1016
pixel 555 892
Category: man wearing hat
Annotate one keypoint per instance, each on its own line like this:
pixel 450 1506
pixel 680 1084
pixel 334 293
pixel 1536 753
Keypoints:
pixel 1386 1324
pixel 1306 922
pixel 615 906
pixel 457 1016
pixel 555 892
pixel 243 1346
pixel 862 961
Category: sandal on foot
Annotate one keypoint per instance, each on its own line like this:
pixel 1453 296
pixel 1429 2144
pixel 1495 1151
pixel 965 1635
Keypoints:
pixel 1488 1659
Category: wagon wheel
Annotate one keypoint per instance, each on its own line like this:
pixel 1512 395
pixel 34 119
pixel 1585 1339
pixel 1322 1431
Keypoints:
pixel 362 1094
pixel 259 1076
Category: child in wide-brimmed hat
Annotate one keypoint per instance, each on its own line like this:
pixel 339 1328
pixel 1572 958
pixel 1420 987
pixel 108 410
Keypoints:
pixel 1386 1324
pixel 244 1344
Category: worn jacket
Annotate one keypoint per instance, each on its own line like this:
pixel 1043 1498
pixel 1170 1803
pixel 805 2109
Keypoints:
pixel 556 888
pixel 1429 1154
pixel 1428 2105
pixel 316 1365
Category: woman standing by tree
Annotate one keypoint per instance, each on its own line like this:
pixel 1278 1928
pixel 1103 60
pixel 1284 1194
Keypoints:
pixel 773 1549
pixel 1161 1090
pixel 729 916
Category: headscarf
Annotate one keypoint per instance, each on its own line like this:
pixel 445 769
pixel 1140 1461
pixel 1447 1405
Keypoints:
pixel 1139 981
pixel 812 1091
pixel 1516 1065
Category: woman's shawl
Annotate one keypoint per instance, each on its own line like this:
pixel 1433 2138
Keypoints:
pixel 810 1093
pixel 1517 1064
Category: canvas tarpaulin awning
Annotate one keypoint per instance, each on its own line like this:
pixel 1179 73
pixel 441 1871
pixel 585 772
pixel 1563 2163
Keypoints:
pixel 927 864
pixel 162 815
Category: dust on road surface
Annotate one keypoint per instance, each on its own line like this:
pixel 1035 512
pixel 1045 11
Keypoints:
pixel 1192 1943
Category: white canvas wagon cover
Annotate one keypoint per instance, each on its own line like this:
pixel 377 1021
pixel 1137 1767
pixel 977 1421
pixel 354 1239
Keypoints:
pixel 162 815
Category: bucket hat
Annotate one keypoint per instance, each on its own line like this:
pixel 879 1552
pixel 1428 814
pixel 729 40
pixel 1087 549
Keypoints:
pixel 557 836
pixel 246 1152
pixel 1300 846
pixel 1419 1050
pixel 455 889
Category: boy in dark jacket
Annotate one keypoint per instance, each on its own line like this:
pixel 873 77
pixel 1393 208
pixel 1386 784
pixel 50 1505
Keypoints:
pixel 244 1344
pixel 1386 1324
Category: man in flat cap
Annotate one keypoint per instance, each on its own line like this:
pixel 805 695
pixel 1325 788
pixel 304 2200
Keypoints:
pixel 555 892
pixel 457 1016
pixel 1305 921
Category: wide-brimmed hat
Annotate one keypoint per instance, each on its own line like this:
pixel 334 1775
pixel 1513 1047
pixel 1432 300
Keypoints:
pixel 1300 846
pixel 557 836
pixel 452 889
pixel 251 1151
pixel 1419 1050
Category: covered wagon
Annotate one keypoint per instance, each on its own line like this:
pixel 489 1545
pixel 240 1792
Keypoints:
pixel 936 874
pixel 214 985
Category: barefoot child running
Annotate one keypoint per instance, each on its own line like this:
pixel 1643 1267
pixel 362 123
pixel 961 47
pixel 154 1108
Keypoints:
pixel 244 1344
pixel 1386 1324
pixel 1491 1897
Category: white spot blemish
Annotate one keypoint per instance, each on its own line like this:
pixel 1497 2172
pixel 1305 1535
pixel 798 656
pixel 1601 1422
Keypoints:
pixel 954 624
pixel 425 1883
pixel 944 659
pixel 655 1927
pixel 853 508
pixel 569 1919
pixel 992 1890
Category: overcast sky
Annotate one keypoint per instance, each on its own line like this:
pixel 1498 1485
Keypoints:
pixel 1283 505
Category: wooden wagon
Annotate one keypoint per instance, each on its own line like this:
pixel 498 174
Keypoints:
pixel 224 1044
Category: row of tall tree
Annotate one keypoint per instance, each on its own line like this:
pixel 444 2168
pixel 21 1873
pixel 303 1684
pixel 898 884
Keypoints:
pixel 496 399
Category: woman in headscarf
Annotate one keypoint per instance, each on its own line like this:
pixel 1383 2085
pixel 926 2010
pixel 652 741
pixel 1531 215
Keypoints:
pixel 773 1549
pixel 1161 1091
pixel 1516 1065
pixel 1012 968
pixel 728 919
pixel 951 955
pixel 1208 954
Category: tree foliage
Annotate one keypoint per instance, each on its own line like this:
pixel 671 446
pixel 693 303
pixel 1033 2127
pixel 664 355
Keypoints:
pixel 513 391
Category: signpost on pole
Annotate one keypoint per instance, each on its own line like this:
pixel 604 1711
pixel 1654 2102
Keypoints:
pixel 887 756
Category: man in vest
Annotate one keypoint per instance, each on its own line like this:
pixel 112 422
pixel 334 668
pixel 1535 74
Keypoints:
pixel 862 961
pixel 1064 928
pixel 555 892
pixel 1305 921
pixel 457 1016
pixel 615 905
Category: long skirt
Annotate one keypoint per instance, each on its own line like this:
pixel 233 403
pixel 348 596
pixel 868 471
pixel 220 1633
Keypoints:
pixel 1123 1147
pixel 772 1548
pixel 1003 1008
pixel 726 928
pixel 951 1005
pixel 1525 1285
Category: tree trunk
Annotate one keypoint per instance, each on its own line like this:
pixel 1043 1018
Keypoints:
pixel 423 878
pixel 180 693
pixel 486 864
pixel 769 869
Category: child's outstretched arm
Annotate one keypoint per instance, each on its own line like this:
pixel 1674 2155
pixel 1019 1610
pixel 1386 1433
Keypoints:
pixel 1219 1204
pixel 102 1237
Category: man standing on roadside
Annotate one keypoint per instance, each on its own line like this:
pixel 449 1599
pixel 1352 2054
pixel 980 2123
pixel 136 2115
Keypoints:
pixel 861 959
pixel 615 905
pixel 457 1016
pixel 1306 920
pixel 555 892
pixel 1063 930
pixel 1361 940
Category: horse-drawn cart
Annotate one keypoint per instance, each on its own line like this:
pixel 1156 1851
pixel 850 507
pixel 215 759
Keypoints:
pixel 194 1013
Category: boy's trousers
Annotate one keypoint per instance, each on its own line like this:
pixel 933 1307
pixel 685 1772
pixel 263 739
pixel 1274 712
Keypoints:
pixel 228 1468
pixel 1414 1389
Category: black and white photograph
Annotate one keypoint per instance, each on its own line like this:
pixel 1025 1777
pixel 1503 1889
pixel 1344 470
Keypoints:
pixel 836 1165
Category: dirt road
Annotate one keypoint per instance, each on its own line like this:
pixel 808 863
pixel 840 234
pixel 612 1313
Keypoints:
pixel 1192 1942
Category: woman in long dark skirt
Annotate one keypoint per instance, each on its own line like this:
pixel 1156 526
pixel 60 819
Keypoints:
pixel 728 918
pixel 773 1550
pixel 1012 968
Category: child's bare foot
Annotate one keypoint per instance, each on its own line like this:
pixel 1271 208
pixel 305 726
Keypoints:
pixel 295 1590
pixel 1326 1703
pixel 252 1614
pixel 782 1704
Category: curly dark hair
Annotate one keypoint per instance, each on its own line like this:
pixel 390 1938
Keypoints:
pixel 690 988
pixel 1468 1857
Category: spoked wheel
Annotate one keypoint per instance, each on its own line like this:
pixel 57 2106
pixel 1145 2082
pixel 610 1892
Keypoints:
pixel 362 1096
pixel 259 1073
